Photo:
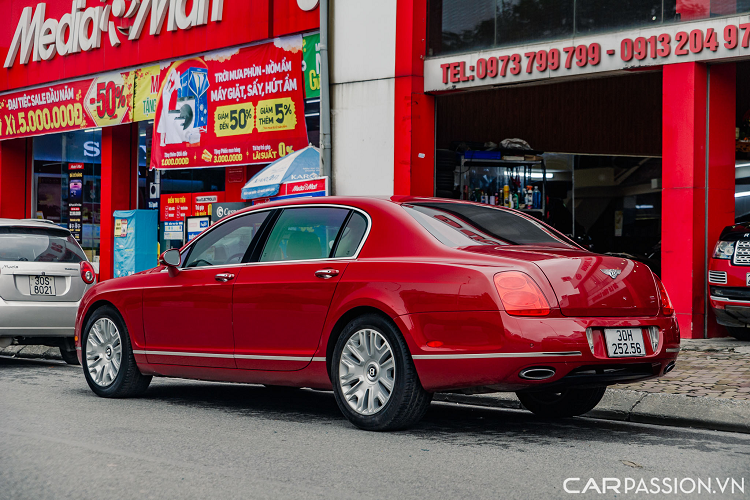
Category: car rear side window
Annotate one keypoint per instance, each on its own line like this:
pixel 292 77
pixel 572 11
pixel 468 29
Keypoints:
pixel 38 244
pixel 486 225
pixel 351 236
pixel 304 234
pixel 227 243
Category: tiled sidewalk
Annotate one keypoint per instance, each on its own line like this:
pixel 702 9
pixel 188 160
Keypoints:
pixel 716 368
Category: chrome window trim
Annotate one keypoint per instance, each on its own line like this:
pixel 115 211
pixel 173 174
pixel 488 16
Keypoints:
pixel 306 205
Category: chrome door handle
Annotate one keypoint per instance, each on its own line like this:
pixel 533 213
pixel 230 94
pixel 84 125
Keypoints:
pixel 224 277
pixel 327 273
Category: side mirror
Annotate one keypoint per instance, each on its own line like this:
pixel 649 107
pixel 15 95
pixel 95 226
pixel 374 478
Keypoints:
pixel 171 258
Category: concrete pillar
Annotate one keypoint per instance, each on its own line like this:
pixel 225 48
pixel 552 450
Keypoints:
pixel 697 182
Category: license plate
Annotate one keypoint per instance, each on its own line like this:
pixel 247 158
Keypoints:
pixel 747 279
pixel 624 342
pixel 42 285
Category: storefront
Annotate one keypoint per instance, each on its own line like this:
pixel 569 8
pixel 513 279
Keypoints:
pixel 131 105
pixel 636 110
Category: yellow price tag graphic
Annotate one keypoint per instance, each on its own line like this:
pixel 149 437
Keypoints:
pixel 276 114
pixel 236 119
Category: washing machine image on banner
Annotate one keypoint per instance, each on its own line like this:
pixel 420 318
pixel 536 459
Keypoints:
pixel 184 105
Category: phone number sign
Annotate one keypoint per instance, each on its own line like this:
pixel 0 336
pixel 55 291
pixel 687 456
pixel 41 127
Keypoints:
pixel 722 38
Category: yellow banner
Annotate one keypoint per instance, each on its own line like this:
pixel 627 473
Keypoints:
pixel 276 114
pixel 108 100
pixel 235 119
pixel 146 92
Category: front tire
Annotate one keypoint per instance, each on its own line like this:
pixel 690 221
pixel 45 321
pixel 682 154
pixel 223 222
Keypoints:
pixel 563 403
pixel 374 380
pixel 738 332
pixel 108 362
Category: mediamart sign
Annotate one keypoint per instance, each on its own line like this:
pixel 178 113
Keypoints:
pixel 81 30
pixel 710 40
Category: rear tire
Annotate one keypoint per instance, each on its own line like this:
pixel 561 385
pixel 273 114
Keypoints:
pixel 561 404
pixel 108 362
pixel 375 356
pixel 739 332
pixel 70 357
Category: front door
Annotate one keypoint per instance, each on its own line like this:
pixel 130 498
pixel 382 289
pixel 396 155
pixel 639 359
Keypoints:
pixel 281 301
pixel 187 317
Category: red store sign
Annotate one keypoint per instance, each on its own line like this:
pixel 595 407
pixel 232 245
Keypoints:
pixel 720 38
pixel 175 207
pixel 42 42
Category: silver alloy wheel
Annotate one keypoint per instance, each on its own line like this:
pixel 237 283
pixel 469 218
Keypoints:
pixel 103 352
pixel 367 371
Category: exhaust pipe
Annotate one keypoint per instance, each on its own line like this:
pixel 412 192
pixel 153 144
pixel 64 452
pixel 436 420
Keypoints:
pixel 669 367
pixel 537 373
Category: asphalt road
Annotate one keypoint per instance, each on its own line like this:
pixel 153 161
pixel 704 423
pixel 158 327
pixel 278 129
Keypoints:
pixel 187 439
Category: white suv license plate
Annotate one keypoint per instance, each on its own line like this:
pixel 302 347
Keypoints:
pixel 624 342
pixel 42 285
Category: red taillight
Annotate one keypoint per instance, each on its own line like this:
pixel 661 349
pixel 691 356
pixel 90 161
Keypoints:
pixel 520 295
pixel 88 275
pixel 666 304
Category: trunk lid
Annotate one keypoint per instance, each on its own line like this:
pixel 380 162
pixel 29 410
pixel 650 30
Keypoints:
pixel 588 284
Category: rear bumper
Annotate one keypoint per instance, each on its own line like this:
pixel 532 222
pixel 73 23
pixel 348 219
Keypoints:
pixel 496 348
pixel 37 319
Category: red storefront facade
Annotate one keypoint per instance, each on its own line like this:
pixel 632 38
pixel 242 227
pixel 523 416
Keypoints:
pixel 685 112
pixel 118 36
pixel 694 128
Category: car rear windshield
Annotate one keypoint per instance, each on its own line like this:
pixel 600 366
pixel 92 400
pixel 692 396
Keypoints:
pixel 38 244
pixel 462 224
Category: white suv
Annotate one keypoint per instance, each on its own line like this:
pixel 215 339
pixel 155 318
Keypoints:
pixel 43 275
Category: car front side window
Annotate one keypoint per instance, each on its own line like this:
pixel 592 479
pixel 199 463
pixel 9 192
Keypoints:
pixel 227 243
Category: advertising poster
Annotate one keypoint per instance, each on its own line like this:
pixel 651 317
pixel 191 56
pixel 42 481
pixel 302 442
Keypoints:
pixel 311 65
pixel 174 230
pixel 239 106
pixel 99 102
pixel 75 199
pixel 196 225
pixel 146 91
pixel 175 207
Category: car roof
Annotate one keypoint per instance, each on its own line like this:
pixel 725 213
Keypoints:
pixel 30 223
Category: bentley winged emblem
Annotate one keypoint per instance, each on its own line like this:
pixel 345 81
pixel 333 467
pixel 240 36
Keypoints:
pixel 612 273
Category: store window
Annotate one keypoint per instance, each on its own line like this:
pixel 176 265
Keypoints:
pixel 595 16
pixel 521 21
pixel 67 184
pixel 470 25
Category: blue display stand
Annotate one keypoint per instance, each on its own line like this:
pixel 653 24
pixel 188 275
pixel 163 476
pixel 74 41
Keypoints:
pixel 136 243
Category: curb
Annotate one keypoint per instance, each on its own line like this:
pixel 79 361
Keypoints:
pixel 31 352
pixel 677 410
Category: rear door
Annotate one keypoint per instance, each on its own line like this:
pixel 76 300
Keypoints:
pixel 40 264
pixel 281 301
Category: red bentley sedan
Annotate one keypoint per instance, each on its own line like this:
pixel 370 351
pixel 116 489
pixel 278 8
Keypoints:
pixel 386 301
